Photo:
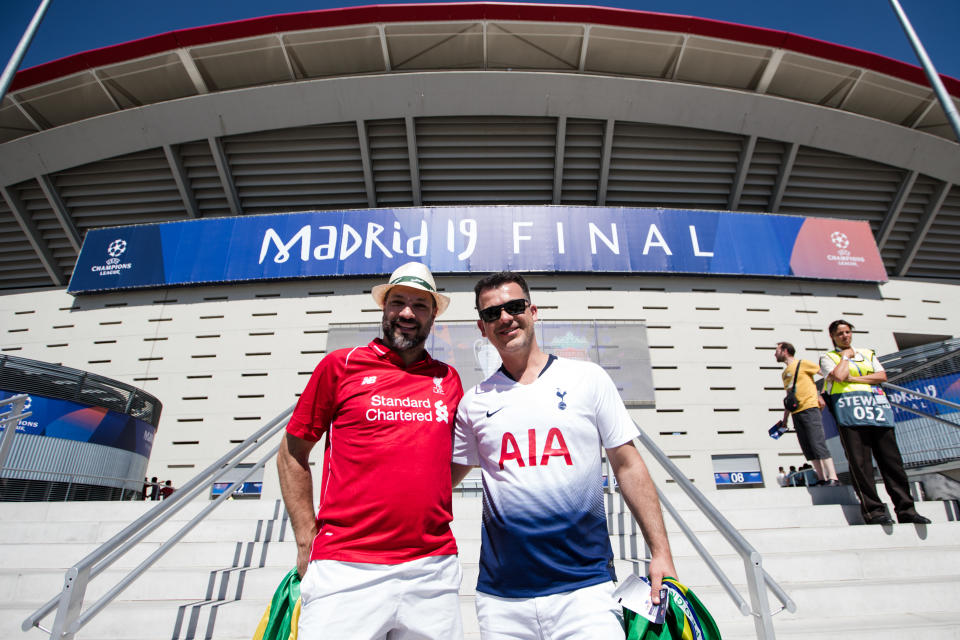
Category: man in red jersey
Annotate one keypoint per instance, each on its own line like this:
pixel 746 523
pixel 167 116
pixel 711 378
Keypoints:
pixel 378 560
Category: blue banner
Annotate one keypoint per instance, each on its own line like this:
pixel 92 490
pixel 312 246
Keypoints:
pixel 738 477
pixel 57 418
pixel 247 489
pixel 475 239
pixel 946 387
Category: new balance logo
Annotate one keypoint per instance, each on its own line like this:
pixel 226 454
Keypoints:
pixel 368 380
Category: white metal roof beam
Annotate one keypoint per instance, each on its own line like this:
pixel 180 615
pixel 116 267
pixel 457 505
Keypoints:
pixel 383 47
pixel 22 216
pixel 182 181
pixel 786 168
pixel 109 94
pixel 890 220
pixel 190 66
pixel 769 71
pixel 584 44
pixel 365 161
pixel 933 208
pixel 24 112
pixel 60 211
pixel 286 58
pixel 226 179
pixel 605 162
pixel 750 144
pixel 414 164
pixel 558 159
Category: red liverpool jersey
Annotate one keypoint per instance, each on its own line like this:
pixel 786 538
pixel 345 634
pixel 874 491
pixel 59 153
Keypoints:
pixel 385 495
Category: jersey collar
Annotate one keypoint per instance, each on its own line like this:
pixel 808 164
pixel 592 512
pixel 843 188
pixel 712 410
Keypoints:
pixel 386 353
pixel 550 360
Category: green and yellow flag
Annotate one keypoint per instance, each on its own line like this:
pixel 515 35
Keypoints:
pixel 279 621
pixel 686 618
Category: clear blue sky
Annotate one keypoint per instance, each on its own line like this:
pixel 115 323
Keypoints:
pixel 72 26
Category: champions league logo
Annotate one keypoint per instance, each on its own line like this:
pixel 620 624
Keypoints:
pixel 113 266
pixel 843 257
pixel 116 248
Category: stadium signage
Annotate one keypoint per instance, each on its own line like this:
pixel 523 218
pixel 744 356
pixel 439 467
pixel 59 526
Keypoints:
pixel 476 239
pixel 56 418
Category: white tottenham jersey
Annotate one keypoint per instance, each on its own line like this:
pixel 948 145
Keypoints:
pixel 538 447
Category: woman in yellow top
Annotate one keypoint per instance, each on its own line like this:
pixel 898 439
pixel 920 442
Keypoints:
pixel 865 421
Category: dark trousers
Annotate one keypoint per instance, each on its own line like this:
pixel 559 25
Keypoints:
pixel 859 443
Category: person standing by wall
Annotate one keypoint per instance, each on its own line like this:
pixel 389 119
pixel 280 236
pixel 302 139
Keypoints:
pixel 806 417
pixel 378 559
pixel 865 421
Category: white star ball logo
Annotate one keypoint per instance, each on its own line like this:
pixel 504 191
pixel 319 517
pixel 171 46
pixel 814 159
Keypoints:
pixel 840 239
pixel 116 248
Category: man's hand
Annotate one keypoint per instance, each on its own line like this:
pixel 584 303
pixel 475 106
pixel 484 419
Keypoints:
pixel 660 567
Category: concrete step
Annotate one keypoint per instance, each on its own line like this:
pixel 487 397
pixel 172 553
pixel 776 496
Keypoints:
pixel 39 585
pixel 890 626
pixel 173 618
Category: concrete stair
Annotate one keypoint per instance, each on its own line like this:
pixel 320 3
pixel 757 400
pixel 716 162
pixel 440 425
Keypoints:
pixel 848 580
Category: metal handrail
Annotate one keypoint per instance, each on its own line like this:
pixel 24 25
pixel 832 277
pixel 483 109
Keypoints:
pixel 9 421
pixel 69 601
pixel 934 399
pixel 758 580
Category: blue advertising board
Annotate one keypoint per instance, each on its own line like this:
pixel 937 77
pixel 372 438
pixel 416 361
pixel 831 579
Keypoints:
pixel 738 477
pixel 946 387
pixel 57 418
pixel 475 239
pixel 246 489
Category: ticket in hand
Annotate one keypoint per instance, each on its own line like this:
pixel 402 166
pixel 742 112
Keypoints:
pixel 634 594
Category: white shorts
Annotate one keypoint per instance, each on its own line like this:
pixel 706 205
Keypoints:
pixel 589 613
pixel 416 600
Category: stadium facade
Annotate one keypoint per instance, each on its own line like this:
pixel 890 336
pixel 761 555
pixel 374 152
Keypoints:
pixel 574 113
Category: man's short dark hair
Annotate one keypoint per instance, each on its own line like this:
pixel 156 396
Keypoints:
pixel 788 348
pixel 495 280
pixel 836 323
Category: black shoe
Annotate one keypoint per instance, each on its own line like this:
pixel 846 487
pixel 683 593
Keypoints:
pixel 915 518
pixel 880 519
pixel 833 483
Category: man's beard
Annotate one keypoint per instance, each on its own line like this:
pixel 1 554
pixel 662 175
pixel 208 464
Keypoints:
pixel 396 340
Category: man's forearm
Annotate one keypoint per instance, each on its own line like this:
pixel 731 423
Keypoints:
pixel 640 494
pixel 296 486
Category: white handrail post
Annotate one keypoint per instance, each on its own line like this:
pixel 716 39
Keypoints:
pixel 71 600
pixel 10 420
pixel 756 584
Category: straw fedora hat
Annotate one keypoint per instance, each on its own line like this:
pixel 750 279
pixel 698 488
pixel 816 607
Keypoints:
pixel 415 276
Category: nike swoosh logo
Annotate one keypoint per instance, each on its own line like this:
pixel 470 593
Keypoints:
pixel 490 413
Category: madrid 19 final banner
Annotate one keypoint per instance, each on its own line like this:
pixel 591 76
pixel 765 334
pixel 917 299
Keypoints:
pixel 476 239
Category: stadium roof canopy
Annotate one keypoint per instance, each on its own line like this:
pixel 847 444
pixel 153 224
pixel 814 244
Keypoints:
pixel 473 103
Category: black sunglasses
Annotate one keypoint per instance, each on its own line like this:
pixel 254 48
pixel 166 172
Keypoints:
pixel 513 307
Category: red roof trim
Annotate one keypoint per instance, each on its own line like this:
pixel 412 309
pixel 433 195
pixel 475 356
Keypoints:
pixel 473 11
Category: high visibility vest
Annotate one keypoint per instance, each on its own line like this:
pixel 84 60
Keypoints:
pixel 858 403
pixel 864 368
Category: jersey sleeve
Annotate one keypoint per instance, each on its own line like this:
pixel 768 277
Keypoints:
pixel 613 422
pixel 465 449
pixel 315 408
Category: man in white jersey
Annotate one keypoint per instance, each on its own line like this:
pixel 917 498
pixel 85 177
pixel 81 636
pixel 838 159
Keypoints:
pixel 535 428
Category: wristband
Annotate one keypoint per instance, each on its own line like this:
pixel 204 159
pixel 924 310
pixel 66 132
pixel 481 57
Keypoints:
pixel 846 357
